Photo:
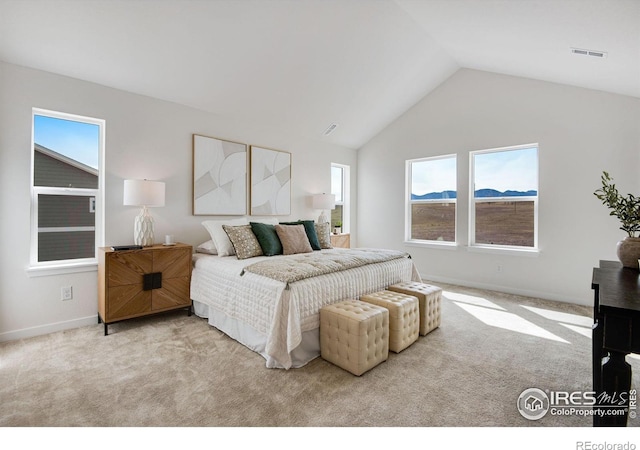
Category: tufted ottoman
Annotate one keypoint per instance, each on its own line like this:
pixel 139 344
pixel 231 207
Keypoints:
pixel 404 317
pixel 354 335
pixel 429 298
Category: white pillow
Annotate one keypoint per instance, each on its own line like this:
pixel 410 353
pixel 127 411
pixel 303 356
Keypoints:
pixel 207 247
pixel 218 235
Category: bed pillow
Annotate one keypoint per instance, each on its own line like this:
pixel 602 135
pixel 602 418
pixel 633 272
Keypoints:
pixel 310 230
pixel 244 242
pixel 294 239
pixel 207 247
pixel 267 237
pixel 323 230
pixel 218 235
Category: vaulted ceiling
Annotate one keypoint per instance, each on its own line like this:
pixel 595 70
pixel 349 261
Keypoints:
pixel 300 65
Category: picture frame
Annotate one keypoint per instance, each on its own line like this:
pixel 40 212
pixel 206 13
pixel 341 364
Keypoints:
pixel 219 176
pixel 270 182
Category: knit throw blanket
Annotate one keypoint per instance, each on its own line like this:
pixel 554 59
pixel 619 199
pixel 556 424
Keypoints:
pixel 306 265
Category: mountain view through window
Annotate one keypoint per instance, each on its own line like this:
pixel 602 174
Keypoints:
pixel 503 208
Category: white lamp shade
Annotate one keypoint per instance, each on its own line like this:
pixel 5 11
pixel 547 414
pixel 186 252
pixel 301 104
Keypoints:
pixel 143 193
pixel 324 201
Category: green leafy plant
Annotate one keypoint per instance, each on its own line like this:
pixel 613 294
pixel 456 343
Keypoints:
pixel 339 224
pixel 625 208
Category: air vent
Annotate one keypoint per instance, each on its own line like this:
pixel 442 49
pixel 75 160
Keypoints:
pixel 330 129
pixel 585 52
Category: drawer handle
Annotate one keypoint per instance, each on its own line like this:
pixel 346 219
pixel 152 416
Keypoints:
pixel 151 281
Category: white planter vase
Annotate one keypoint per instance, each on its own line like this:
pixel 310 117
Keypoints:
pixel 628 251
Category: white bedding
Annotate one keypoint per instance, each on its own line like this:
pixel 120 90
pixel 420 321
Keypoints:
pixel 281 324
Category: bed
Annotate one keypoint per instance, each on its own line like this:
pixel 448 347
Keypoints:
pixel 279 318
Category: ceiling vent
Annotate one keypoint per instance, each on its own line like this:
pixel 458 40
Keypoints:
pixel 585 52
pixel 330 129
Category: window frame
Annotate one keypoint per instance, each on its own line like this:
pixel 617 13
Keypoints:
pixel 346 202
pixel 40 268
pixel 473 201
pixel 409 202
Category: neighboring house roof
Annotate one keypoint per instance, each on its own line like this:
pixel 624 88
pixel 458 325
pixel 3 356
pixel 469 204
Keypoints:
pixel 65 159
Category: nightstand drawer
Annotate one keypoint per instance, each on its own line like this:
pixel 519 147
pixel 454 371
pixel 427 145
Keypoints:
pixel 174 293
pixel 127 301
pixel 172 262
pixel 128 267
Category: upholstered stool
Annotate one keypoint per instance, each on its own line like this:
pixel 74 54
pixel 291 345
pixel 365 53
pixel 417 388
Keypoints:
pixel 354 335
pixel 429 299
pixel 404 317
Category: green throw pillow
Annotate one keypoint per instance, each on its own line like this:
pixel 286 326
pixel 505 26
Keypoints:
pixel 267 237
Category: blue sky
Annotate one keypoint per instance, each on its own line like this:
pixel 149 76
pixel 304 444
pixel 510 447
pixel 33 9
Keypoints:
pixel 433 175
pixel 515 170
pixel 76 140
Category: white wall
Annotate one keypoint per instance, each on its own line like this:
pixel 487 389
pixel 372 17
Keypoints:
pixel 580 133
pixel 145 138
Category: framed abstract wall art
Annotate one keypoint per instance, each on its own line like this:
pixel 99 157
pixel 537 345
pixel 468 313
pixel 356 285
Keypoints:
pixel 219 176
pixel 270 182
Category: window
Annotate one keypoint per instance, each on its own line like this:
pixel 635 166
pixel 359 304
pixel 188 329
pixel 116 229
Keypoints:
pixel 431 204
pixel 340 181
pixel 66 195
pixel 504 198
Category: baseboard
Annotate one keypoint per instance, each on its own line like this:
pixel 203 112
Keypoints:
pixel 49 328
pixel 507 290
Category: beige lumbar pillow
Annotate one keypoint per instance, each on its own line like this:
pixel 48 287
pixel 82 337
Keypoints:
pixel 294 239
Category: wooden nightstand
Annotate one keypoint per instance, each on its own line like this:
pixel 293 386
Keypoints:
pixel 342 240
pixel 136 283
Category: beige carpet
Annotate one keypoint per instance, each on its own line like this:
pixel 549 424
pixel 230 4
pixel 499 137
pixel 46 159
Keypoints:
pixel 173 370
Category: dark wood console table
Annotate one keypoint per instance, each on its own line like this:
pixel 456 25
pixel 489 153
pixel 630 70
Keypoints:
pixel 616 333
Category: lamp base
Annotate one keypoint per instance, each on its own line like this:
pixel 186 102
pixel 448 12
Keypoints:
pixel 143 228
pixel 322 218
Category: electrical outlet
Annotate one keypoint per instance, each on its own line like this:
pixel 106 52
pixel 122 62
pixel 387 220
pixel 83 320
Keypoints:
pixel 66 292
pixel 499 268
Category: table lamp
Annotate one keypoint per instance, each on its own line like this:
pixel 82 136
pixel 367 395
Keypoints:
pixel 323 202
pixel 143 193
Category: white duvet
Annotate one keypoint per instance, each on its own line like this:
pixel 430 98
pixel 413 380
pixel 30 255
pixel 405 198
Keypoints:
pixel 283 315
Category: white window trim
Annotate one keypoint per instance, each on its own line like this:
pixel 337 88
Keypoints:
pixel 79 265
pixel 450 245
pixel 440 245
pixel 502 249
pixel 37 268
pixel 346 196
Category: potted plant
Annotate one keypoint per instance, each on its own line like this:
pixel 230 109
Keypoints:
pixel 627 210
pixel 337 228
